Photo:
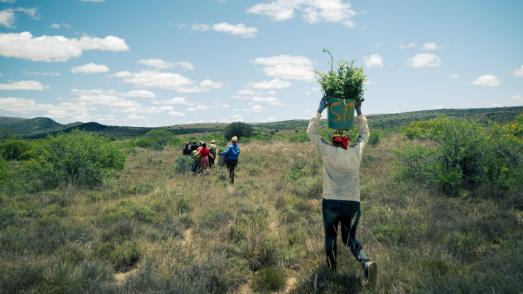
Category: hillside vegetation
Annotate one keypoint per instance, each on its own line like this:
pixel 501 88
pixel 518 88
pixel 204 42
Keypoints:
pixel 40 127
pixel 435 220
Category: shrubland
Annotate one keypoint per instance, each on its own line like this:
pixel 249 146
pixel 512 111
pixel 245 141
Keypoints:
pixel 441 213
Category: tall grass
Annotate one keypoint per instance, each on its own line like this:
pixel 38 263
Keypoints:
pixel 170 232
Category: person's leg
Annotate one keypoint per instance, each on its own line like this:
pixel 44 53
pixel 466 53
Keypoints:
pixel 330 225
pixel 349 225
pixel 233 164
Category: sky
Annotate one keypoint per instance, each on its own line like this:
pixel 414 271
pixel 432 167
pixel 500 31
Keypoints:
pixel 168 62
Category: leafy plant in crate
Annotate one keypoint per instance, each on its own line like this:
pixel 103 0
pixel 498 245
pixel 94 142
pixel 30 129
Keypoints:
pixel 343 87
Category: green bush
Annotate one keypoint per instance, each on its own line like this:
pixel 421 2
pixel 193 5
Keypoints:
pixel 183 164
pixel 125 210
pixel 464 155
pixel 77 158
pixel 238 129
pixel 157 139
pixel 269 280
pixel 12 149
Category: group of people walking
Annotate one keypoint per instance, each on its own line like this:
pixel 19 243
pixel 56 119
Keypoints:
pixel 341 185
pixel 204 156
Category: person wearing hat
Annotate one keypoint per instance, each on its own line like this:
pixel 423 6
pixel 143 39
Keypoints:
pixel 212 156
pixel 231 153
pixel 341 191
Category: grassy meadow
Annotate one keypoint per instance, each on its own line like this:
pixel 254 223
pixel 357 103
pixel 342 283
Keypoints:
pixel 149 229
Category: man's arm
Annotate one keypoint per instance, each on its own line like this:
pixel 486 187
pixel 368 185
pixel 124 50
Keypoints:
pixel 314 135
pixel 363 136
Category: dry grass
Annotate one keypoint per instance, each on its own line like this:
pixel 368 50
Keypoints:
pixel 199 234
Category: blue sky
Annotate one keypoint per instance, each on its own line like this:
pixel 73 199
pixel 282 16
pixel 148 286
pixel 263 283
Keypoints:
pixel 155 63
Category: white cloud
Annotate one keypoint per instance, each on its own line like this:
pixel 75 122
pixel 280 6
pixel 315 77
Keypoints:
pixel 374 60
pixel 270 85
pixel 7 17
pixel 90 68
pixel 255 108
pixel 176 113
pixel 103 97
pixel 8 1
pixel 287 67
pixel 140 94
pixel 424 60
pixel 58 26
pixel 54 48
pixel 432 46
pixel 486 81
pixel 172 101
pixel 313 11
pixel 209 85
pixel 44 73
pixel 518 72
pixel 267 99
pixel 159 63
pixel 20 105
pixel 24 85
pixel 408 46
pixel 454 76
pixel 246 92
pixel 517 100
pixel 239 29
pixel 154 79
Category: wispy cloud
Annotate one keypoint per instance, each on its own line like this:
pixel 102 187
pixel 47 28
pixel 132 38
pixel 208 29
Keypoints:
pixel 90 68
pixel 432 46
pixel 408 46
pixel 374 60
pixel 424 60
pixel 159 63
pixel 313 11
pixel 486 81
pixel 518 72
pixel 54 48
pixel 287 67
pixel 7 17
pixel 274 84
pixel 240 29
pixel 24 85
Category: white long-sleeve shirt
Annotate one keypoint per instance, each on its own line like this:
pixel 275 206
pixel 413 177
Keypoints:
pixel 341 168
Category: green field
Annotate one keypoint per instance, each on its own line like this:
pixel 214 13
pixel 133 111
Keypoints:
pixel 146 228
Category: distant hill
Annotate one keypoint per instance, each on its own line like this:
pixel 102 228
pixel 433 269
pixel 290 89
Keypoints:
pixel 39 127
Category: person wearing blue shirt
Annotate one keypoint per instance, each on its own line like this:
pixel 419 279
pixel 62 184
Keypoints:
pixel 231 153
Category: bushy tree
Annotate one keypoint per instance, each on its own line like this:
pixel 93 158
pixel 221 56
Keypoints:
pixel 13 149
pixel 156 139
pixel 239 129
pixel 76 158
pixel 464 154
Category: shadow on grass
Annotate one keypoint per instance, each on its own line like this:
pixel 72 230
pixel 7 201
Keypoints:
pixel 324 280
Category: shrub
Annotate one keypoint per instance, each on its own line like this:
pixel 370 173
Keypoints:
pixel 157 139
pixel 76 158
pixel 238 129
pixel 124 210
pixel 269 279
pixel 12 149
pixel 464 155
pixel 183 164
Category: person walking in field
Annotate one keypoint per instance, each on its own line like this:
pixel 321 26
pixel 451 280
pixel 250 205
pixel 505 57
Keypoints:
pixel 213 149
pixel 231 153
pixel 204 152
pixel 341 191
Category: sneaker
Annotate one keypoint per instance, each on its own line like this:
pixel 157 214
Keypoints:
pixel 370 270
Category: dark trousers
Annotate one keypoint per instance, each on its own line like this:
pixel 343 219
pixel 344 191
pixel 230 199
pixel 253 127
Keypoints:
pixel 231 165
pixel 346 214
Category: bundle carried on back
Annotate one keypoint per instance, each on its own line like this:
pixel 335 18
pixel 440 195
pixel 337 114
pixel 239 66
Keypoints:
pixel 343 88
